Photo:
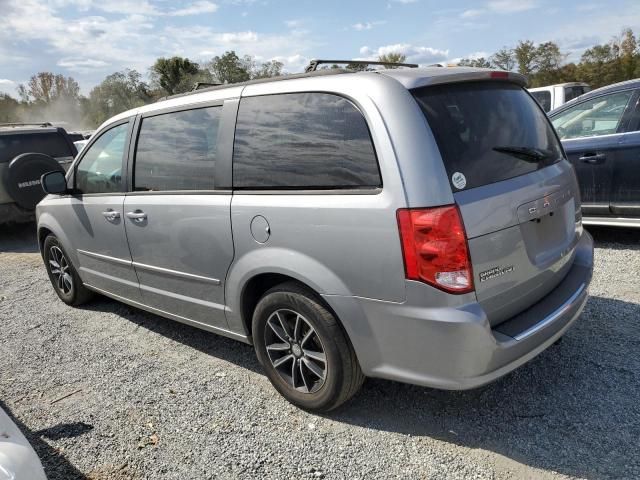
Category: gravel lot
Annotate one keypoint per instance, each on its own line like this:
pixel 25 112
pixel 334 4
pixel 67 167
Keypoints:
pixel 150 398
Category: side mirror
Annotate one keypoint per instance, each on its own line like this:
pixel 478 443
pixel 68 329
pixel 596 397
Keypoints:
pixel 54 182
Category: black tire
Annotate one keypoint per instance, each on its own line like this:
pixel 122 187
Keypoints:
pixel 319 335
pixel 69 287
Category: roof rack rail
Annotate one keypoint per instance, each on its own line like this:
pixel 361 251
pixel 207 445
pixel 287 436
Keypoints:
pixel 200 85
pixel 25 124
pixel 313 64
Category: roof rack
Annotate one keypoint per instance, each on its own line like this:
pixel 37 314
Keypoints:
pixel 20 124
pixel 313 64
pixel 200 85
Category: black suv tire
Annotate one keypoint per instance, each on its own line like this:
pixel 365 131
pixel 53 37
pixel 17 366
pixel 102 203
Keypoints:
pixel 64 277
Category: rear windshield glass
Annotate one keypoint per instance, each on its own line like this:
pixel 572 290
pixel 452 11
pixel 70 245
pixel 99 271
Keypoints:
pixel 544 99
pixel 51 143
pixel 487 131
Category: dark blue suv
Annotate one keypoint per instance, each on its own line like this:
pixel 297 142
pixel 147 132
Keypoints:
pixel 600 132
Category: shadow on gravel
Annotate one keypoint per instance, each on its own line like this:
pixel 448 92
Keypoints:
pixel 615 238
pixel 65 430
pixel 54 463
pixel 208 343
pixel 18 238
pixel 574 409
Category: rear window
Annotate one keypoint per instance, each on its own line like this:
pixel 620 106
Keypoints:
pixel 302 141
pixel 543 97
pixel 488 131
pixel 50 143
pixel 574 92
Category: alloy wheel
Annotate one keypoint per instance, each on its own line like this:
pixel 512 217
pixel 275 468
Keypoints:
pixel 59 267
pixel 295 351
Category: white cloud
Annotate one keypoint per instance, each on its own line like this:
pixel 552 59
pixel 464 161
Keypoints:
pixel 360 26
pixel 404 2
pixel 501 7
pixel 196 8
pixel 414 53
pixel 510 6
pixel 82 65
pixel 6 82
pixel 471 13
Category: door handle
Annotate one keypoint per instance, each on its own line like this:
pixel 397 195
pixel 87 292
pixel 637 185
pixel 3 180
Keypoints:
pixel 137 216
pixel 593 159
pixel 111 215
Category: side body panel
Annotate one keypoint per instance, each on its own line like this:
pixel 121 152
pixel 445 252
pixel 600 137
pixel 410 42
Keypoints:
pixel 625 191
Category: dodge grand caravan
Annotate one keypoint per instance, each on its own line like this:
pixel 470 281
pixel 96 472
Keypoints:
pixel 417 225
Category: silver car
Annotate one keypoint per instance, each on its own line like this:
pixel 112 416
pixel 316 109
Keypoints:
pixel 418 225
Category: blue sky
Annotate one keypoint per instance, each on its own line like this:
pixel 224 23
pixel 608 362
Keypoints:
pixel 89 39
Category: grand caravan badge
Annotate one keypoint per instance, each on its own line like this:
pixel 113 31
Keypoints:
pixel 495 272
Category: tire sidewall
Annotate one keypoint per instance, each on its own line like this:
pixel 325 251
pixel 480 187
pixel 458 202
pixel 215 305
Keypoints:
pixel 316 315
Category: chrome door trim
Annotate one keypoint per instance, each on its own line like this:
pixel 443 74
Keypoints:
pixel 106 258
pixel 176 273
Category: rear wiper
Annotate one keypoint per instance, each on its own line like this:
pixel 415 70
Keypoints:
pixel 528 154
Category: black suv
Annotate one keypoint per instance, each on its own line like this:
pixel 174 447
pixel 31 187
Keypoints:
pixel 25 154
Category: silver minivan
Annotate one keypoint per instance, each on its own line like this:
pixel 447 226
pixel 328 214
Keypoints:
pixel 418 225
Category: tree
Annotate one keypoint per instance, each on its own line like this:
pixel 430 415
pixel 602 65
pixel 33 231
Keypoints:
pixel 525 54
pixel 9 109
pixel 118 92
pixel 272 68
pixel 548 60
pixel 229 68
pixel 393 57
pixel 474 62
pixel 174 74
pixel 504 59
pixel 46 87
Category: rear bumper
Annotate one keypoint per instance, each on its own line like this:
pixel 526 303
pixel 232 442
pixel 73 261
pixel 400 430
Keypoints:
pixel 455 348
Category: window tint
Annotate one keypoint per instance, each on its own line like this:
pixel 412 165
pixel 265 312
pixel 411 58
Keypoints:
pixel 177 151
pixel 488 131
pixel 574 92
pixel 598 116
pixel 51 143
pixel 302 140
pixel 100 170
pixel 543 98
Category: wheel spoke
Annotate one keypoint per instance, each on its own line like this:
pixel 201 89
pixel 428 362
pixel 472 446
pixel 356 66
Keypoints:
pixel 304 379
pixel 67 281
pixel 54 264
pixel 318 356
pixel 278 347
pixel 283 324
pixel 282 360
pixel 316 370
pixel 294 370
pixel 307 336
pixel 296 329
pixel 281 334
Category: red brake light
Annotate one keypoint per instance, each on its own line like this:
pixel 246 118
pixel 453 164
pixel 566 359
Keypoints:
pixel 434 247
pixel 504 75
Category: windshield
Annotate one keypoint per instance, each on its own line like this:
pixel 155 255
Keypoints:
pixel 488 131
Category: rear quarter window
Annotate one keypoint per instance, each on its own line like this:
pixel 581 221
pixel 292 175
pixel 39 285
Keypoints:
pixel 543 98
pixel 475 125
pixel 302 141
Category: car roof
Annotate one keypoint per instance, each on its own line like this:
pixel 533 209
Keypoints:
pixel 615 87
pixel 28 129
pixel 410 78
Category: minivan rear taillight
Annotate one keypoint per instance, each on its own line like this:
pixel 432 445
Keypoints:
pixel 434 247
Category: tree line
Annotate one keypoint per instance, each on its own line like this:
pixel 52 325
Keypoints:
pixel 545 63
pixel 56 98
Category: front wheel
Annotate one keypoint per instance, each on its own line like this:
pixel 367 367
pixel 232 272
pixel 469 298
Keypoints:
pixel 64 278
pixel 305 352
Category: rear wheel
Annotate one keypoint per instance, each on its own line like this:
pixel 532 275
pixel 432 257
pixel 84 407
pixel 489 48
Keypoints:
pixel 64 278
pixel 305 352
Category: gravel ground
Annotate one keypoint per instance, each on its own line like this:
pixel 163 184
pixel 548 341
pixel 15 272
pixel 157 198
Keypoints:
pixel 109 392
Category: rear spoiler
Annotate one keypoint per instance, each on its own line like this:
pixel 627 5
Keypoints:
pixel 453 75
